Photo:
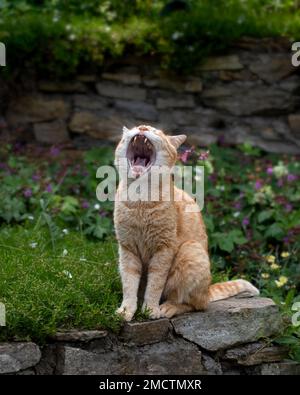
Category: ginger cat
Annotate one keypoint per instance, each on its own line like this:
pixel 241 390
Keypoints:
pixel 163 252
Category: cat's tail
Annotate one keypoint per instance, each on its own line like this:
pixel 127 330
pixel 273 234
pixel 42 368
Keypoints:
pixel 224 290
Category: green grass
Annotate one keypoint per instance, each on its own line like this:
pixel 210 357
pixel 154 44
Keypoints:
pixel 75 285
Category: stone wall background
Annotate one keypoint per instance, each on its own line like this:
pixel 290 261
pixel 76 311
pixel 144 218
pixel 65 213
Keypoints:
pixel 250 95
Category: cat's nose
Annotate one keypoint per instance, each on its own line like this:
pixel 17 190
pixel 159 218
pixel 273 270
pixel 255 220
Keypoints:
pixel 142 129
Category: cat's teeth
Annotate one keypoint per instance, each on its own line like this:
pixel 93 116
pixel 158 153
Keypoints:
pixel 146 140
pixel 134 139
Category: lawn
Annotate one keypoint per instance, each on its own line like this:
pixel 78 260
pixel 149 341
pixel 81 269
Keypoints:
pixel 58 252
pixel 74 285
pixel 65 38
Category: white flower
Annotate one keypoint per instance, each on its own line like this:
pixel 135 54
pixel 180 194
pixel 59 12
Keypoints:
pixel 236 214
pixel 82 259
pixel 220 188
pixel 280 170
pixel 65 252
pixel 65 231
pixel 30 217
pixel 68 274
pixel 55 19
pixel 33 245
pixel 176 35
pixel 72 37
pixel 97 206
pixel 68 28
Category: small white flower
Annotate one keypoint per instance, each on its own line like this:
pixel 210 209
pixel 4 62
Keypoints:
pixel 55 19
pixel 65 231
pixel 30 217
pixel 97 206
pixel 236 214
pixel 68 274
pixel 33 245
pixel 220 187
pixel 68 28
pixel 82 259
pixel 176 35
pixel 65 252
pixel 72 37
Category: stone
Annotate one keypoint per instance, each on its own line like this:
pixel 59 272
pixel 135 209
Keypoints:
pixel 125 78
pixel 139 109
pixel 104 125
pixel 84 122
pixel 147 332
pixel 178 357
pixel 256 353
pixel 229 62
pixel 15 357
pixel 290 84
pixel 211 365
pixel 272 67
pixel 30 109
pixel 249 99
pixel 294 123
pixel 175 102
pixel 54 132
pixel 230 322
pixel 282 147
pixel 62 87
pixel 287 368
pixel 193 85
pixel 90 102
pixel 78 336
pixel 118 91
pixel 88 78
pixel 243 75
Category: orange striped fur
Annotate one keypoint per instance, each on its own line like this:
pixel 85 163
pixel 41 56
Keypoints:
pixel 163 251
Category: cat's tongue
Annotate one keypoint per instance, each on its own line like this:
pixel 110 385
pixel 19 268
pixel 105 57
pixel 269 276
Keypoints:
pixel 139 166
pixel 140 162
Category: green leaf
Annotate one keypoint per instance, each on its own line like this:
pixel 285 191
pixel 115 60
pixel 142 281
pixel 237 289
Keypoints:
pixel 70 205
pixel 264 215
pixel 274 231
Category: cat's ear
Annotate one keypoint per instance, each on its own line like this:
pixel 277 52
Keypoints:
pixel 177 140
pixel 125 130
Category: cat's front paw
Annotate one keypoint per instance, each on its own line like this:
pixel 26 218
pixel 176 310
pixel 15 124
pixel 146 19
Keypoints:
pixel 126 311
pixel 153 311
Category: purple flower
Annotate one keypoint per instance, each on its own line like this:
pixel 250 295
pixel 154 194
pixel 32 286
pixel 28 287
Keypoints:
pixel 237 205
pixel 246 221
pixel 288 208
pixel 185 155
pixel 280 183
pixel 270 170
pixel 204 155
pixel 27 193
pixel 48 188
pixel 258 185
pixel 286 240
pixel 35 177
pixel 54 151
pixel 85 204
pixel 291 177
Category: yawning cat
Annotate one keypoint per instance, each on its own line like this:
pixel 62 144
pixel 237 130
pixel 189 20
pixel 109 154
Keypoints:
pixel 163 253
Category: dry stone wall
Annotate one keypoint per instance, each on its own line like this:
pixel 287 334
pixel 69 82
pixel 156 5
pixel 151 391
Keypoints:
pixel 233 336
pixel 251 95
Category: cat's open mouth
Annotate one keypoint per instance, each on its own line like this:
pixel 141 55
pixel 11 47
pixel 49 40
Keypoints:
pixel 140 154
